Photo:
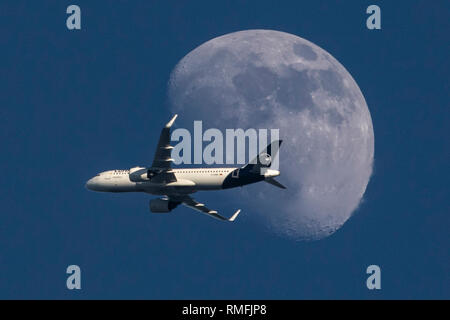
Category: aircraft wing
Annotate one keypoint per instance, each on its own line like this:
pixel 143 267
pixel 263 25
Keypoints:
pixel 191 203
pixel 162 162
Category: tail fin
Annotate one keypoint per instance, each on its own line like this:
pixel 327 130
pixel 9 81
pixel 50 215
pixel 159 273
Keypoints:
pixel 265 158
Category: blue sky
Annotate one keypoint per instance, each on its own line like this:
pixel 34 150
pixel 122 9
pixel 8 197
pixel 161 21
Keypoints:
pixel 76 103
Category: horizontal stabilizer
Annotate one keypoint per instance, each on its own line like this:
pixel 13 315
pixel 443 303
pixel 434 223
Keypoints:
pixel 274 182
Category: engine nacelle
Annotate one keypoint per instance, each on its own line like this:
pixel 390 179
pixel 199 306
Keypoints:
pixel 162 205
pixel 138 174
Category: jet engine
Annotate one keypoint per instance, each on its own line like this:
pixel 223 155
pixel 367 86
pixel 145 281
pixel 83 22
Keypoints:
pixel 162 205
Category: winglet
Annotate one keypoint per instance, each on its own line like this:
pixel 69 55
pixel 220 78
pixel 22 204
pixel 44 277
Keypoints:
pixel 170 123
pixel 233 217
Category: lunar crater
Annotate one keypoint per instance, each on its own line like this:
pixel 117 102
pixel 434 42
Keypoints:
pixel 304 51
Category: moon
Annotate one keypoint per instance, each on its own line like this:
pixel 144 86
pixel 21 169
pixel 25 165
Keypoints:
pixel 271 79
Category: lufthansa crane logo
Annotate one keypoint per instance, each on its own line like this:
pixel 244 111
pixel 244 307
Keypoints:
pixel 265 159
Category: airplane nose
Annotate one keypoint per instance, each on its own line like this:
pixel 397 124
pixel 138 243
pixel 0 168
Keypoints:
pixel 90 184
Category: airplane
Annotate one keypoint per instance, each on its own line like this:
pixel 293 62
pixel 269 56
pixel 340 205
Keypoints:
pixel 177 184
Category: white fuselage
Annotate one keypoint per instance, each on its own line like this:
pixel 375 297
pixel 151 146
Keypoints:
pixel 188 180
